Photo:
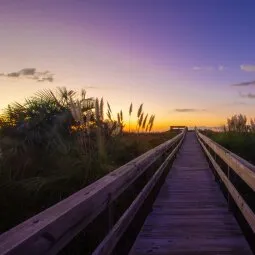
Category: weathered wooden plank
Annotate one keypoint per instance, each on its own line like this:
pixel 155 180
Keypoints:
pixel 240 202
pixel 190 214
pixel 108 244
pixel 243 170
pixel 53 228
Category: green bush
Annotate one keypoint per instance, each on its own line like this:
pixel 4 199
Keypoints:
pixel 240 143
pixel 55 144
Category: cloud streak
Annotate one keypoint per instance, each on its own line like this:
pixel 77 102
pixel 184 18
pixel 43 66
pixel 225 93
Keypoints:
pixel 243 84
pixel 238 103
pixel 188 110
pixel 248 95
pixel 202 68
pixel 30 73
pixel 221 68
pixel 248 68
pixel 209 68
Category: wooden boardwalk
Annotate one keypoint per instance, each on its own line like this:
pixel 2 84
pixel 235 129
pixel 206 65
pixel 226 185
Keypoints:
pixel 190 214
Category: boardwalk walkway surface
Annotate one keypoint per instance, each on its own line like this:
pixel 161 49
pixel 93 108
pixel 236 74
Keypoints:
pixel 190 214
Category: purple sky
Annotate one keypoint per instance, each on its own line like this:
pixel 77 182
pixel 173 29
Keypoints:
pixel 179 58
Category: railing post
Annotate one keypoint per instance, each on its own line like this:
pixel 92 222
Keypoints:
pixel 215 172
pixel 229 196
pixel 163 156
pixel 110 212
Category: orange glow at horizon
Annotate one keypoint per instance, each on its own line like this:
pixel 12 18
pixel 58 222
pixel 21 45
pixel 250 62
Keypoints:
pixel 164 125
pixel 121 52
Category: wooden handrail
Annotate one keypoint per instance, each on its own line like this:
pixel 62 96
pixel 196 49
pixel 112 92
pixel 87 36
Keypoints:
pixel 245 173
pixel 108 244
pixel 49 231
pixel 233 161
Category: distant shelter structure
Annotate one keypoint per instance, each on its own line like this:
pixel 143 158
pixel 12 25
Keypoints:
pixel 177 128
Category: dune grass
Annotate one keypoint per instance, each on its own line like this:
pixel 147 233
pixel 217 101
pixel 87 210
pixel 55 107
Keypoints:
pixel 242 144
pixel 54 144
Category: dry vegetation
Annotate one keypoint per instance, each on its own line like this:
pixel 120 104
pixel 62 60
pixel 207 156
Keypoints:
pixel 238 136
pixel 57 143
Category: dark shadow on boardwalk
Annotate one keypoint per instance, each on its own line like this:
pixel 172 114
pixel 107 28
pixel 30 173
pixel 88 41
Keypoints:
pixel 190 214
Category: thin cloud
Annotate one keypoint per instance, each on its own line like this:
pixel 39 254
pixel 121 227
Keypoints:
pixel 92 87
pixel 209 68
pixel 221 68
pixel 238 103
pixel 30 73
pixel 27 71
pixel 243 84
pixel 248 68
pixel 248 95
pixel 14 74
pixel 101 87
pixel 188 110
pixel 42 79
pixel 202 68
pixel 196 68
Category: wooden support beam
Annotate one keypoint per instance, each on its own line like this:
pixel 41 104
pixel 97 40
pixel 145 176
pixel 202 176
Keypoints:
pixel 242 170
pixel 109 243
pixel 240 202
pixel 51 230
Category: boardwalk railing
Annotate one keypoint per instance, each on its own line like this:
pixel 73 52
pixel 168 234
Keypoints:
pixel 236 167
pixel 51 230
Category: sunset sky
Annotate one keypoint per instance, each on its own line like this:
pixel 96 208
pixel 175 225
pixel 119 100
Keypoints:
pixel 190 62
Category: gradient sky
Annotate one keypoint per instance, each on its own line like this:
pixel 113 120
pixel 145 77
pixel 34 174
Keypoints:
pixel 180 58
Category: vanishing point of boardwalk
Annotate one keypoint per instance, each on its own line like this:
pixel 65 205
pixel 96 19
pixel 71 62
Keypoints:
pixel 190 214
